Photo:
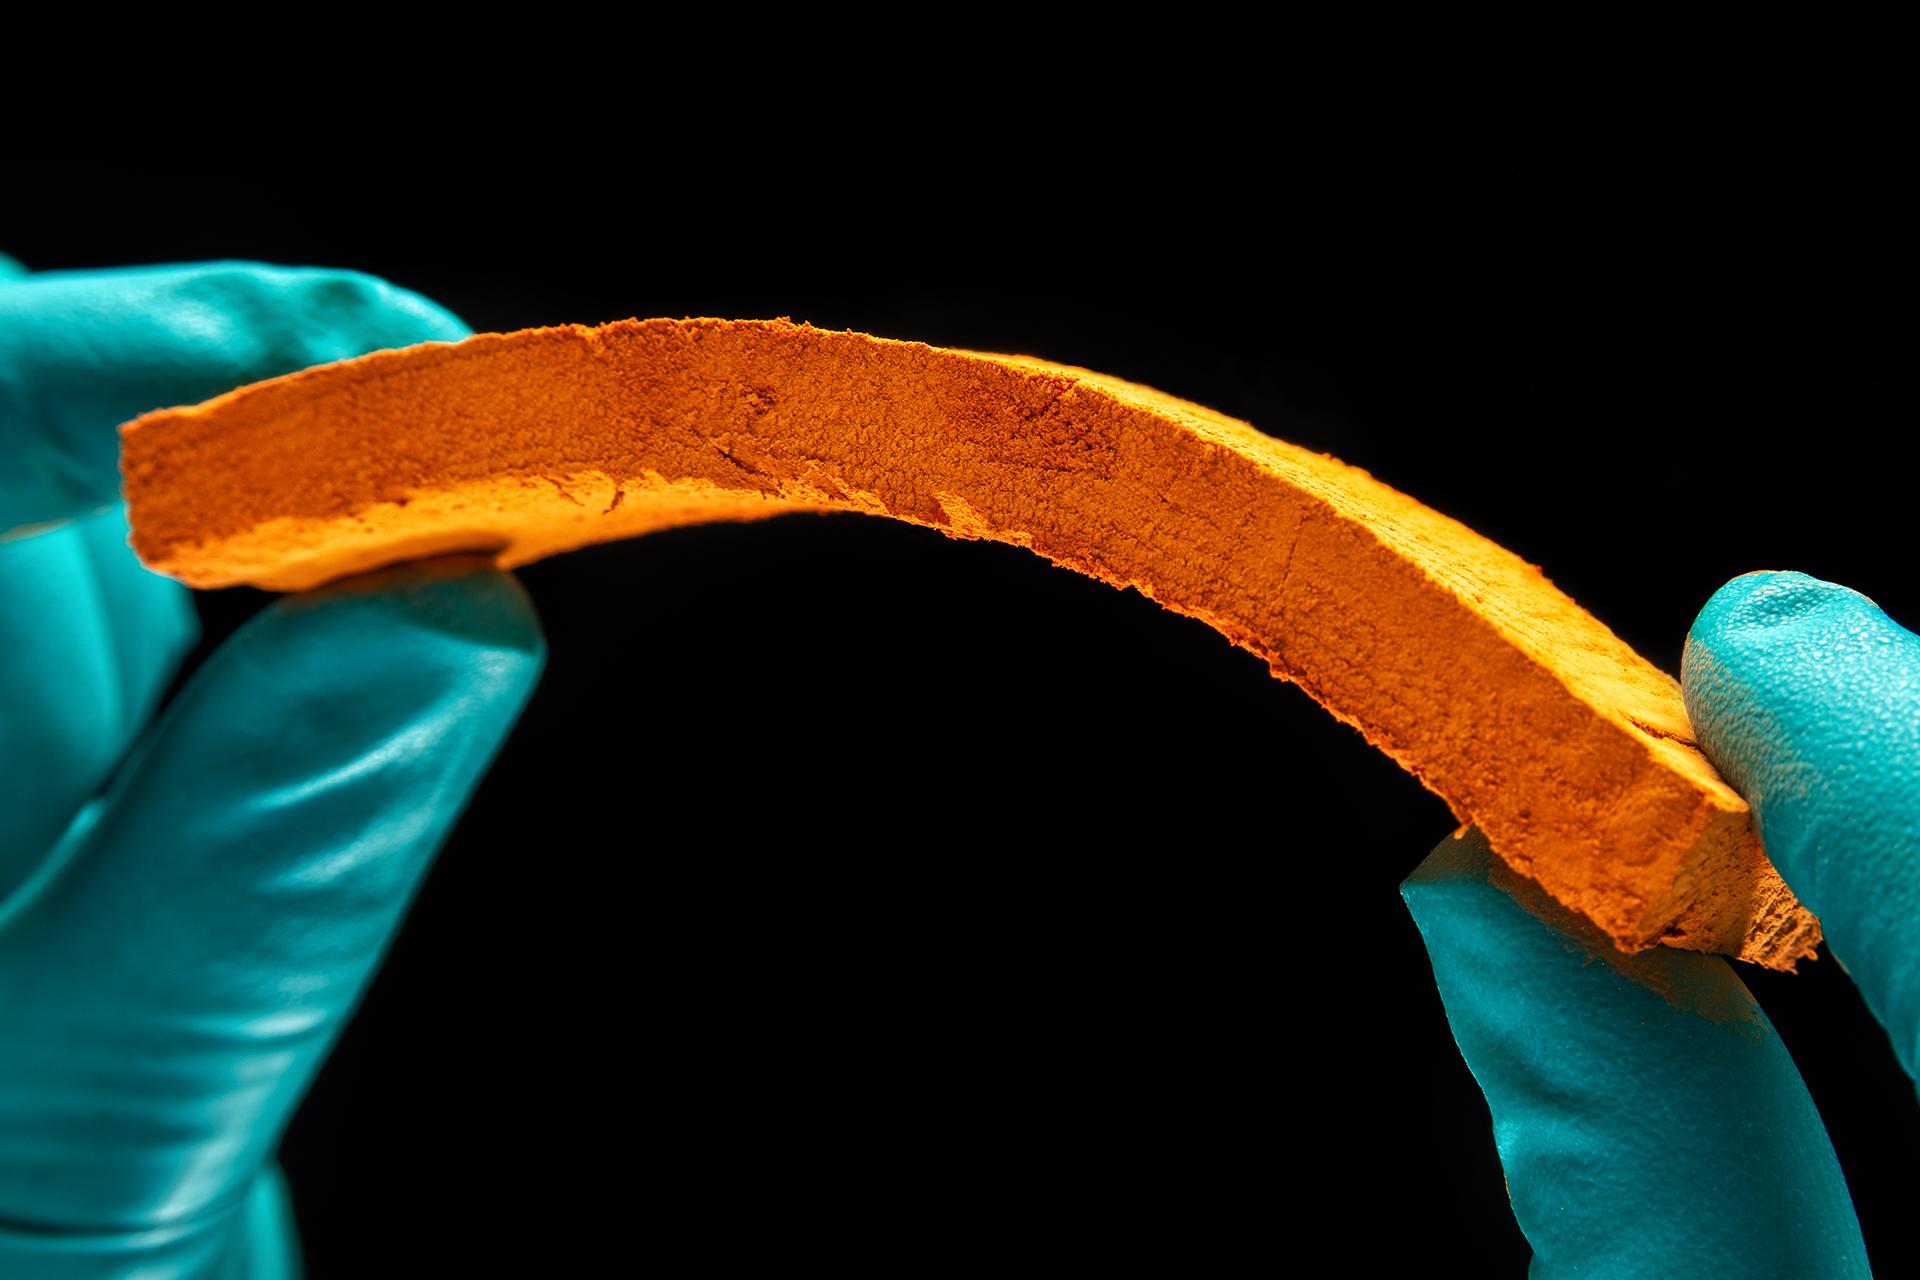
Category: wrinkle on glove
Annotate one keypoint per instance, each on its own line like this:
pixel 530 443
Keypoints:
pixel 258 1242
pixel 1649 1120
pixel 1806 697
pixel 91 641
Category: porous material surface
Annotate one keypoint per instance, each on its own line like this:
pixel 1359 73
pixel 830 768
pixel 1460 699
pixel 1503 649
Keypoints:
pixel 1454 656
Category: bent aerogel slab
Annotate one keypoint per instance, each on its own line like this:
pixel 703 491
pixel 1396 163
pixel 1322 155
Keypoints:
pixel 1571 752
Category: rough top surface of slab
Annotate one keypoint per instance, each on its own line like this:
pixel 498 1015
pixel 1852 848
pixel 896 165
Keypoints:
pixel 1454 656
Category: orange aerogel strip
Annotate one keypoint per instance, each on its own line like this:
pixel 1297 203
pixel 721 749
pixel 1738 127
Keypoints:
pixel 1571 752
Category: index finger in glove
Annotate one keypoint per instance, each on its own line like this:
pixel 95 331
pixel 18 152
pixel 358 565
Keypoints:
pixel 1806 696
pixel 83 351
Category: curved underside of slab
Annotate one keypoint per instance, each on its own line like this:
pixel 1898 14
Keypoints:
pixel 1454 656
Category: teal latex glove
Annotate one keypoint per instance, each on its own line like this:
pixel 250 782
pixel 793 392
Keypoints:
pixel 190 908
pixel 1648 1117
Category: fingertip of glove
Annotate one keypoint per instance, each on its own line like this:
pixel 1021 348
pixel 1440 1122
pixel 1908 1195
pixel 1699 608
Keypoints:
pixel 1756 606
pixel 462 596
pixel 1777 653
pixel 378 308
pixel 1460 856
pixel 318 314
pixel 338 306
pixel 1457 892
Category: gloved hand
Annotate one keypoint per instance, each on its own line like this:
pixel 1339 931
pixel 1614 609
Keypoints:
pixel 191 908
pixel 1648 1117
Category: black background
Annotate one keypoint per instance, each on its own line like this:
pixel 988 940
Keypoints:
pixel 848 894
